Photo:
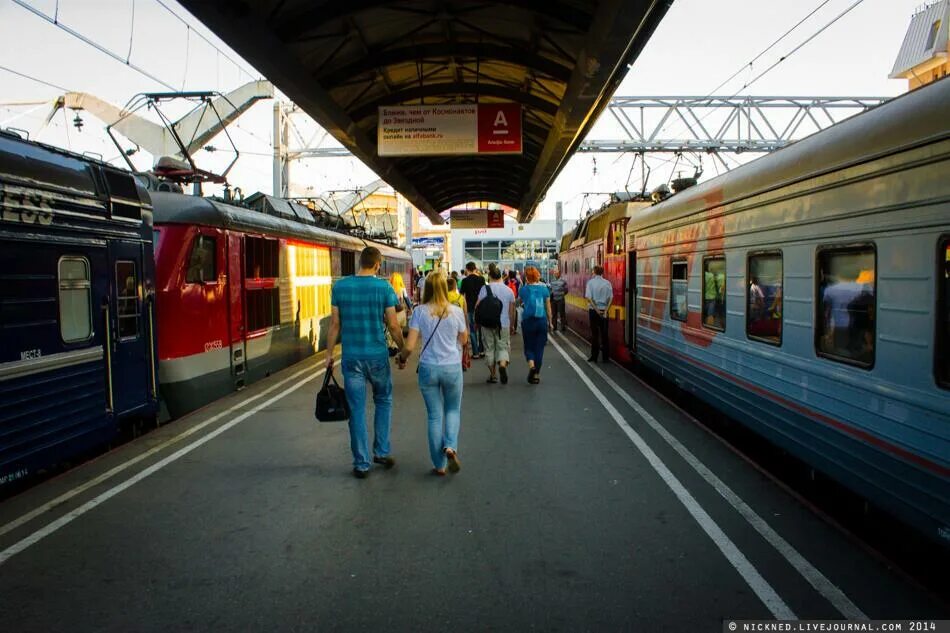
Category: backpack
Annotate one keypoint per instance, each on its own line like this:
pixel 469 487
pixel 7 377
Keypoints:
pixel 513 286
pixel 488 310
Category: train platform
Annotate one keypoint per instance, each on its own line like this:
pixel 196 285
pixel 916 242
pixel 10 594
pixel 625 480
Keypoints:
pixel 585 503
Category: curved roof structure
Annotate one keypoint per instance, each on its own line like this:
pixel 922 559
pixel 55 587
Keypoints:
pixel 340 60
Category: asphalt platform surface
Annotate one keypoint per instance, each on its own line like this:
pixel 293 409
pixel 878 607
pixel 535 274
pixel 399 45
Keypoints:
pixel 244 516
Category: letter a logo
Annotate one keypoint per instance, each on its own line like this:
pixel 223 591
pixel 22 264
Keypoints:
pixel 500 119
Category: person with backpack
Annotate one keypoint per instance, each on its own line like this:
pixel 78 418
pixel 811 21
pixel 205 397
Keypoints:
pixel 442 328
pixel 495 313
pixel 470 287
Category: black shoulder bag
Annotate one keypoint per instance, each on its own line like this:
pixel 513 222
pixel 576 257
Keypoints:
pixel 331 401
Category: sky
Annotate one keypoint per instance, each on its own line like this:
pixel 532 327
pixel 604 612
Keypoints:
pixel 699 44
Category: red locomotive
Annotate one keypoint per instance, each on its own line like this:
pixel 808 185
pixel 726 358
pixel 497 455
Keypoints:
pixel 243 293
pixel 599 239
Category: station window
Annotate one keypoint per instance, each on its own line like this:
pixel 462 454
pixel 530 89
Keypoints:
pixel 261 258
pixel 678 282
pixel 764 298
pixel 201 264
pixel 932 36
pixel 347 263
pixel 75 299
pixel 845 329
pixel 714 293
pixel 943 313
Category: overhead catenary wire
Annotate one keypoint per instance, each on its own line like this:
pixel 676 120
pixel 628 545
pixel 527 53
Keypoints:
pixel 86 40
pixel 36 79
pixel 783 57
pixel 769 47
pixel 205 39
pixel 800 46
pixel 54 20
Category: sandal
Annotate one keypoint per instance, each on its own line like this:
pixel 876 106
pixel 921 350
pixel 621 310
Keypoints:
pixel 454 464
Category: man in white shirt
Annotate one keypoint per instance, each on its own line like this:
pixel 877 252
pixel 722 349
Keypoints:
pixel 599 294
pixel 496 342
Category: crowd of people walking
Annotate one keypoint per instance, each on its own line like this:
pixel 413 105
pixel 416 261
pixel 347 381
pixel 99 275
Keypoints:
pixel 455 317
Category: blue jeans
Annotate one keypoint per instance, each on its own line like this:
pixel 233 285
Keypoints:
pixel 356 373
pixel 478 346
pixel 534 331
pixel 441 387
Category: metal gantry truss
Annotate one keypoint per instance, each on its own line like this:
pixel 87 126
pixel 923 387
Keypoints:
pixel 722 124
pixel 711 125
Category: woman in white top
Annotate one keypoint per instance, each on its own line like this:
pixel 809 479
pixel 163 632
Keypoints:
pixel 443 330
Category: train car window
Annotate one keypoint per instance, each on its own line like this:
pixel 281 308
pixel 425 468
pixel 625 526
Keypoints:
pixel 714 293
pixel 75 299
pixel 764 298
pixel 943 314
pixel 347 263
pixel 846 305
pixel 616 246
pixel 201 265
pixel 127 299
pixel 263 308
pixel 678 282
pixel 261 258
pixel 122 184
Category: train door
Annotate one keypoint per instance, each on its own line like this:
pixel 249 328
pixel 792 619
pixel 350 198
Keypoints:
pixel 630 303
pixel 237 332
pixel 128 340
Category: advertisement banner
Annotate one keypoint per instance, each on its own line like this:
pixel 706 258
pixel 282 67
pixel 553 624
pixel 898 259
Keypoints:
pixel 499 128
pixel 434 241
pixel 477 219
pixel 449 130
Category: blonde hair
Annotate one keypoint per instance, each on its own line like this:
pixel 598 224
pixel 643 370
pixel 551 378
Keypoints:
pixel 395 280
pixel 435 294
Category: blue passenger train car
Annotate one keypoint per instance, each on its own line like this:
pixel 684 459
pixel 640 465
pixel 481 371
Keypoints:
pixel 77 326
pixel 807 294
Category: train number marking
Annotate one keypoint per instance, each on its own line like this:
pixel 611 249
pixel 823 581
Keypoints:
pixel 13 476
pixel 213 345
pixel 30 354
pixel 24 208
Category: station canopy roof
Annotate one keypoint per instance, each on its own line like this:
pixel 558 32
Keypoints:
pixel 340 60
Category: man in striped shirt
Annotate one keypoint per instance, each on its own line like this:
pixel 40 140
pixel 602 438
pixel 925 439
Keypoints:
pixel 361 306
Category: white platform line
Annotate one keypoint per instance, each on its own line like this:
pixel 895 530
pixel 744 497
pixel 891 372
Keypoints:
pixel 809 572
pixel 111 492
pixel 736 558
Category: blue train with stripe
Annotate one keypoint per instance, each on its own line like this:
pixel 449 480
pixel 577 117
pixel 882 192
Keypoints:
pixel 807 295
pixel 77 311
